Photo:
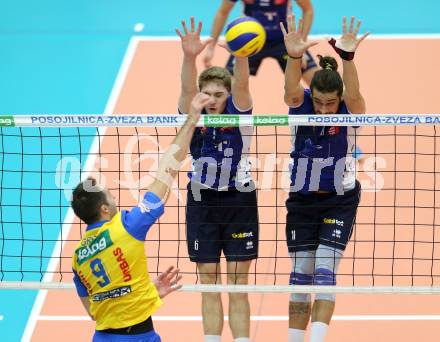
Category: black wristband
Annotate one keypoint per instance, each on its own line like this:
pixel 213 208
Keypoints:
pixel 345 55
pixel 300 57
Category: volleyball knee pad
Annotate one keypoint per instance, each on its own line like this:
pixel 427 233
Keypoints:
pixel 331 297
pixel 300 279
pixel 297 278
pixel 324 276
pixel 300 297
pixel 308 62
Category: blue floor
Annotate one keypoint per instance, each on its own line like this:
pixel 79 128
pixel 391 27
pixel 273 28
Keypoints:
pixel 63 57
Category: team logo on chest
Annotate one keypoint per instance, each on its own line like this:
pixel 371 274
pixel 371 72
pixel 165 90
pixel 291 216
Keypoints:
pixel 100 243
pixel 333 130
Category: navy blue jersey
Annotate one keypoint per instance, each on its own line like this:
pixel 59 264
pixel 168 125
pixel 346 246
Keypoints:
pixel 220 154
pixel 269 13
pixel 321 156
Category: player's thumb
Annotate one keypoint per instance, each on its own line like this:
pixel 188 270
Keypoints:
pixel 208 41
pixel 207 60
pixel 310 44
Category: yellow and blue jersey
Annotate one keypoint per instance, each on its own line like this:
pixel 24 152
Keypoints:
pixel 110 267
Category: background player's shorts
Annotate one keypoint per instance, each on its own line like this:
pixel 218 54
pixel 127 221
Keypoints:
pixel 325 219
pixel 276 50
pixel 150 336
pixel 222 221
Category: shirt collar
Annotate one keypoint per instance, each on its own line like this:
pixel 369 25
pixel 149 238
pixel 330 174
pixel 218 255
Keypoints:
pixel 96 225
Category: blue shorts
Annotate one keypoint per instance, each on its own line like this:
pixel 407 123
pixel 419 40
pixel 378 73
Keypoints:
pixel 325 219
pixel 150 336
pixel 222 221
pixel 276 50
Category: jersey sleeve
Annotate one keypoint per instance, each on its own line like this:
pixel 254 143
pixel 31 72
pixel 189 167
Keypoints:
pixel 138 220
pixel 306 107
pixel 231 108
pixel 80 288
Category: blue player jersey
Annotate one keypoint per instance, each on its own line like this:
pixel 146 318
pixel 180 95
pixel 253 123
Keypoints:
pixel 321 156
pixel 221 154
pixel 269 13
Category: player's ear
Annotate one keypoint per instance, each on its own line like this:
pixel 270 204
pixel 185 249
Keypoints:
pixel 105 209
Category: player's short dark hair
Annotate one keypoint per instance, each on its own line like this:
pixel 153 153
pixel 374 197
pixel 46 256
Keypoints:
pixel 216 74
pixel 86 204
pixel 327 80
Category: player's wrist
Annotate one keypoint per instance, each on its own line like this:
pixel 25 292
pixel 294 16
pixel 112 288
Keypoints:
pixel 192 119
pixel 295 57
pixel 345 55
pixel 241 59
pixel 189 58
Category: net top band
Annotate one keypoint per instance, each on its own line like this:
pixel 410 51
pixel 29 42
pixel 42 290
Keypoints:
pixel 173 120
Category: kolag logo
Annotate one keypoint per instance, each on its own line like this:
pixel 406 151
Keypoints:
pixel 100 243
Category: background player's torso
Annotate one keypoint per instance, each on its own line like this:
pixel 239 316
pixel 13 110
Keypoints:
pixel 269 13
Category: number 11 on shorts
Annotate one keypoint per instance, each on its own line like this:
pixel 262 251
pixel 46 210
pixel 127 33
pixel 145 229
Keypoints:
pixel 293 234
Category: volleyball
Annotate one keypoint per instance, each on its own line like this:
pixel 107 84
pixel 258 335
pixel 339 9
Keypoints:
pixel 245 37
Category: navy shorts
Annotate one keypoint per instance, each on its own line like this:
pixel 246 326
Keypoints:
pixel 222 221
pixel 326 219
pixel 275 50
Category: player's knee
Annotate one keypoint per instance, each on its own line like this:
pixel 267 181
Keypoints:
pixel 209 276
pixel 237 279
pixel 325 277
pixel 297 278
pixel 300 279
pixel 238 272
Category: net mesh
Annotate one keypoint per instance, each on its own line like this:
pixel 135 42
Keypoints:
pixel 394 243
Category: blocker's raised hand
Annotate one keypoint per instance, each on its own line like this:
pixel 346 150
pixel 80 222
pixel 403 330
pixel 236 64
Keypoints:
pixel 293 37
pixel 349 41
pixel 192 45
